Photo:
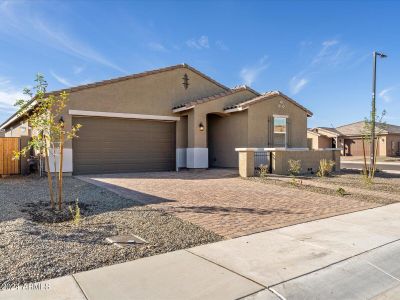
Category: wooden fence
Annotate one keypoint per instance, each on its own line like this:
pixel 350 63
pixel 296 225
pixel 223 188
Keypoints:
pixel 8 166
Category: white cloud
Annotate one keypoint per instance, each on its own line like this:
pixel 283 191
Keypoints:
pixel 297 84
pixel 221 45
pixel 60 79
pixel 200 43
pixel 18 20
pixel 332 53
pixel 157 47
pixel 78 69
pixel 8 96
pixel 386 94
pixel 251 74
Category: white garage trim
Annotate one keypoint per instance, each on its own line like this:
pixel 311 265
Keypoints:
pixel 121 115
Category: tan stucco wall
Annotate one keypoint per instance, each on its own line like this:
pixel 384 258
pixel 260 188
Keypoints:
pixel 324 142
pixel 181 132
pixel 312 140
pixel 197 138
pixel 18 130
pixel 309 160
pixel 225 134
pixel 152 95
pixel 258 122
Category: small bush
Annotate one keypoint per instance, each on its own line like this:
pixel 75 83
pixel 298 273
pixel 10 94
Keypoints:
pixel 325 167
pixel 76 213
pixel 264 170
pixel 341 192
pixel 294 167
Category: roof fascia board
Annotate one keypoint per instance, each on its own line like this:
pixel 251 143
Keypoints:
pixel 88 113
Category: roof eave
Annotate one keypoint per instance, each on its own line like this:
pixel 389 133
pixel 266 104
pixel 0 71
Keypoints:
pixel 180 109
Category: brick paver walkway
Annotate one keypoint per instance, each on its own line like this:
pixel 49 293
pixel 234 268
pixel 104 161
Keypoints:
pixel 224 203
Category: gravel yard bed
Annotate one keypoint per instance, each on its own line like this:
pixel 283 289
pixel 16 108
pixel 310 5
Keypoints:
pixel 302 185
pixel 31 251
pixel 382 181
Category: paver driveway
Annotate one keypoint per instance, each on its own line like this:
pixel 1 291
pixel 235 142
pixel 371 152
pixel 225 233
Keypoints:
pixel 220 201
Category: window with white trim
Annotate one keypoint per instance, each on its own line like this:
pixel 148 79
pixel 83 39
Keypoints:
pixel 280 131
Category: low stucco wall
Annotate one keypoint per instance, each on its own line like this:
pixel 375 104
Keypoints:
pixel 309 160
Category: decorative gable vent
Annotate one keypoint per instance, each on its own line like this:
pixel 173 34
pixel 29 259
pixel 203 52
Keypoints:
pixel 185 79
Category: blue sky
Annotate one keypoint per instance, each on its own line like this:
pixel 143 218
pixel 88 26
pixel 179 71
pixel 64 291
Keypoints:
pixel 319 53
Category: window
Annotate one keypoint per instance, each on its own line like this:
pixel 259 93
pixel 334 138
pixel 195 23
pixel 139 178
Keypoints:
pixel 279 125
pixel 280 130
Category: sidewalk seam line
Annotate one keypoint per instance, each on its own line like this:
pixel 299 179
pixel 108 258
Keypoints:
pixel 76 281
pixel 382 270
pixel 277 294
pixel 334 263
pixel 214 263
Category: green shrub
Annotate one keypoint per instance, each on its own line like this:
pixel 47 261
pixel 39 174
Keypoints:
pixel 294 167
pixel 76 213
pixel 325 167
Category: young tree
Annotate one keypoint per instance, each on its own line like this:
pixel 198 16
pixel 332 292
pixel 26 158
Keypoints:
pixel 43 112
pixel 370 169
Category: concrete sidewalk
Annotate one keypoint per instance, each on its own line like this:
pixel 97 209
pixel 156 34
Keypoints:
pixel 353 256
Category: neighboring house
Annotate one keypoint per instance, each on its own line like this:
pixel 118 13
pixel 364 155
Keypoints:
pixel 349 138
pixel 171 118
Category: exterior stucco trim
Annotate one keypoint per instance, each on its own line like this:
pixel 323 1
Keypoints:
pixel 197 158
pixel 121 115
pixel 67 161
pixel 176 110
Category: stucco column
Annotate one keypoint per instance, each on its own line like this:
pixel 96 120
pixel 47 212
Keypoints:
pixel 197 151
pixel 246 163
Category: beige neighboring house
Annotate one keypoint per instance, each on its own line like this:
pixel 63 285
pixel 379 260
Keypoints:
pixel 349 139
pixel 171 118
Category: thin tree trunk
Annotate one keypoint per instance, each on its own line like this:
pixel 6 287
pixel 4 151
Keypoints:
pixel 365 158
pixel 60 175
pixel 376 154
pixel 49 178
pixel 53 149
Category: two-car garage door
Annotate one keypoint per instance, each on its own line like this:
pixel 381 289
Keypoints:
pixel 113 145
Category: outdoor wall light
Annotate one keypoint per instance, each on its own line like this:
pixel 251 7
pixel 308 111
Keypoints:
pixel 201 127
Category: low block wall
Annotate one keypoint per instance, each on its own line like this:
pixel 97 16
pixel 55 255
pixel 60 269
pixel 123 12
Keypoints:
pixel 280 159
pixel 309 160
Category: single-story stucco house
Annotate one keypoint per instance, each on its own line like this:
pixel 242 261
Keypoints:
pixel 349 139
pixel 170 118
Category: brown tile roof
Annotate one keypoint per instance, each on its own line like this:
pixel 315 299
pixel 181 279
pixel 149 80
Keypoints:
pixel 138 75
pixel 234 90
pixel 331 130
pixel 356 129
pixel 266 96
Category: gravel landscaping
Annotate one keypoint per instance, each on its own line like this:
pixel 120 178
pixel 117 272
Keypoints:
pixel 33 251
pixel 384 190
pixel 382 181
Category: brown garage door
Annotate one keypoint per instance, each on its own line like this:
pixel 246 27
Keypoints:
pixel 110 145
pixel 354 147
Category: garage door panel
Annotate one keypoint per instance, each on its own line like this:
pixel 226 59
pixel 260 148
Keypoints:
pixel 110 145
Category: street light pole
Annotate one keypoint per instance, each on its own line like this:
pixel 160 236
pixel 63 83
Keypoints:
pixel 373 109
